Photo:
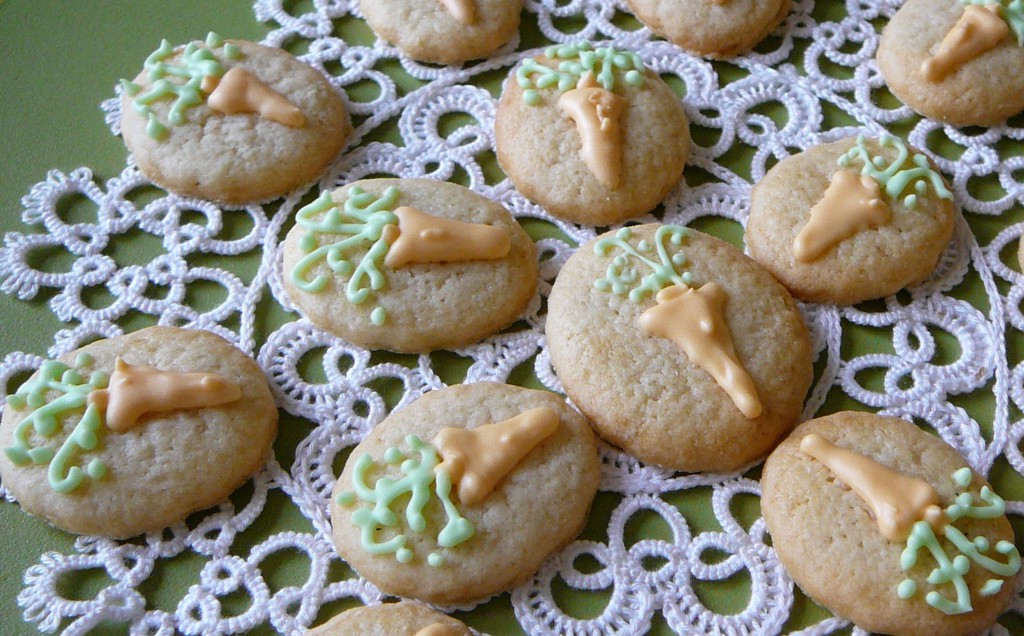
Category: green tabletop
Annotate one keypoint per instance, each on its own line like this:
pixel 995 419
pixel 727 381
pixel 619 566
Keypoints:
pixel 61 59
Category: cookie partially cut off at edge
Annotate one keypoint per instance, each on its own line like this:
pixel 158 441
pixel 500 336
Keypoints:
pixel 534 510
pixel 406 618
pixel 642 393
pixel 709 28
pixel 832 547
pixel 168 466
pixel 427 306
pixel 983 92
pixel 427 31
pixel 244 157
pixel 871 263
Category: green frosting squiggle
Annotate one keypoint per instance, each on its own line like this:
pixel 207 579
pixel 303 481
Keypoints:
pixel 197 63
pixel 417 476
pixel 621 273
pixel 1011 11
pixel 361 222
pixel 578 58
pixel 45 419
pixel 899 175
pixel 951 571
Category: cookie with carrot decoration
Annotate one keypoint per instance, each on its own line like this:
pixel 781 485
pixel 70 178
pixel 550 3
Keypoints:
pixel 463 493
pixel 712 28
pixel 444 31
pixel 888 526
pixel 591 134
pixel 958 61
pixel 231 121
pixel 851 220
pixel 408 265
pixel 704 358
pixel 131 434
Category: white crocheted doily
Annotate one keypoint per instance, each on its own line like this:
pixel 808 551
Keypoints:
pixel 760 108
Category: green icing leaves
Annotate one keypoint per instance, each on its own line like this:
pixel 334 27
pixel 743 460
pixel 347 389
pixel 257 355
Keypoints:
pixel 45 419
pixel 665 269
pixel 1011 11
pixel 182 82
pixel 360 222
pixel 951 571
pixel 577 59
pixel 413 490
pixel 897 177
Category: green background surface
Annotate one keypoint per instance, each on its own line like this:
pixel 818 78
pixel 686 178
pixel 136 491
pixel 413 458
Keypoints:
pixel 60 59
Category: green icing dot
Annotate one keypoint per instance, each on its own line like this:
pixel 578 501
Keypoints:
pixel 377 316
pixel 96 469
pixel 622 276
pixel 991 587
pixel 405 497
pixel 906 589
pixel 435 560
pixel 901 173
pixel 359 224
pixel 962 477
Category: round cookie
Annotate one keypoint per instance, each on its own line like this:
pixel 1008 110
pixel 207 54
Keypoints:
pixel 391 619
pixel 983 91
pixel 647 394
pixel 539 501
pixel 870 262
pixel 712 28
pixel 249 123
pixel 444 31
pixel 828 538
pixel 587 177
pixel 151 448
pixel 417 306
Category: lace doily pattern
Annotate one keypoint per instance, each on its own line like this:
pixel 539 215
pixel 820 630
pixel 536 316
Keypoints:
pixel 814 80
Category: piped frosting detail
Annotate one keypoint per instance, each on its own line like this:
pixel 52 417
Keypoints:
pixel 135 391
pixel 420 470
pixel 239 92
pixel 694 320
pixel 979 30
pixel 478 459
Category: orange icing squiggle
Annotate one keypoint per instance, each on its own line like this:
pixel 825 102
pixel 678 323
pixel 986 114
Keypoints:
pixel 137 390
pixel 478 459
pixel 693 320
pixel 896 501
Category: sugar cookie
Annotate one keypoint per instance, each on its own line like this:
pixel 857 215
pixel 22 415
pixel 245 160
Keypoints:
pixel 590 134
pixel 131 434
pixel 886 525
pixel 851 220
pixel 958 61
pixel 400 510
pixel 678 348
pixel 409 265
pixel 391 619
pixel 231 121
